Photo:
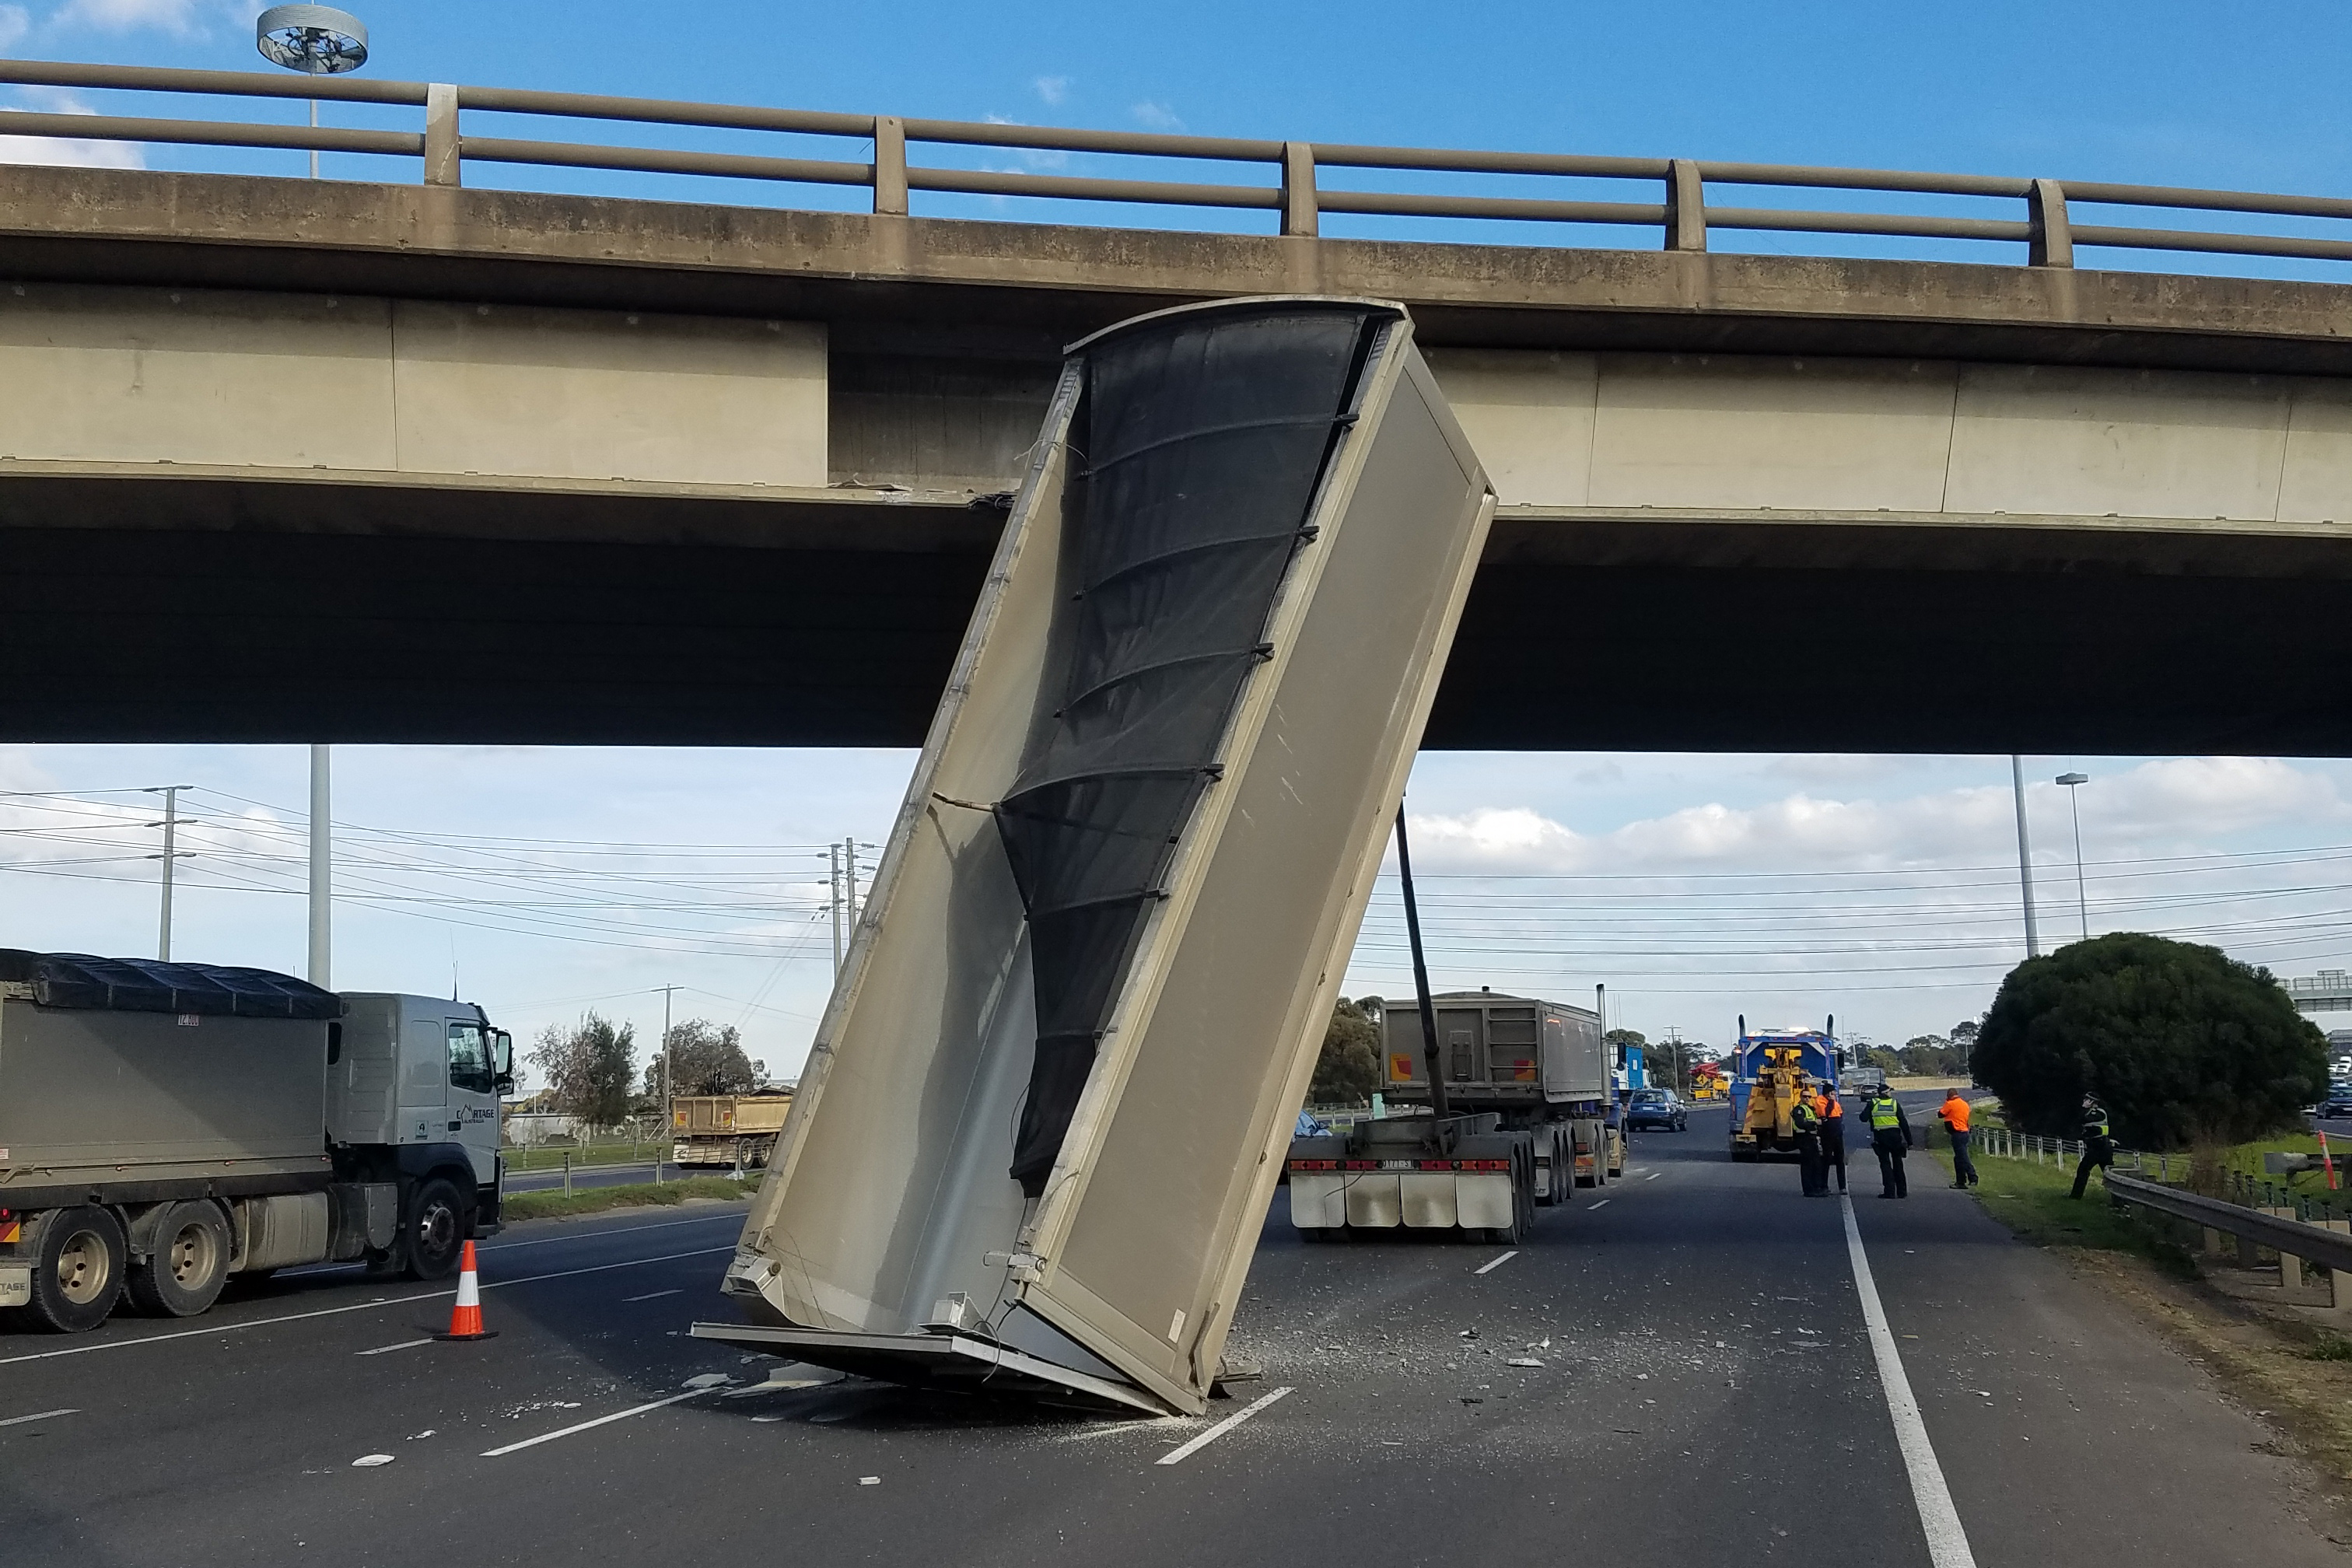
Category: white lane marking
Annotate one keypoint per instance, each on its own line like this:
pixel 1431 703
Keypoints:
pixel 585 1425
pixel 1493 1263
pixel 1653 1175
pixel 610 1230
pixel 356 1307
pixel 651 1296
pixel 314 1273
pixel 1178 1456
pixel 1947 1543
pixel 1598 1203
pixel 387 1350
pixel 39 1416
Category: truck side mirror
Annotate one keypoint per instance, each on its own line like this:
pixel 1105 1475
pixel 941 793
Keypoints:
pixel 504 1083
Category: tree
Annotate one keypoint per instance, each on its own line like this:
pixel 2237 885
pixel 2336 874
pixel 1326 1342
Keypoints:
pixel 1932 1056
pixel 706 1059
pixel 2179 1042
pixel 588 1067
pixel 1349 1070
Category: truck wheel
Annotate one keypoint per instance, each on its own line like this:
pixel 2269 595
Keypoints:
pixel 78 1270
pixel 184 1274
pixel 437 1230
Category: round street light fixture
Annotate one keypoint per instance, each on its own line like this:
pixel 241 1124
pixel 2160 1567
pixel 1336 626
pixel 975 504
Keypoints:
pixel 316 39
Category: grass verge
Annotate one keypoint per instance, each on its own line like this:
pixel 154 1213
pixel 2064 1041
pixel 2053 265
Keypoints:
pixel 595 1200
pixel 2036 1202
pixel 2288 1370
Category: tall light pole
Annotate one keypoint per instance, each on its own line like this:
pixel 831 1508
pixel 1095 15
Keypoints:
pixel 317 40
pixel 2025 855
pixel 322 887
pixel 2074 803
pixel 170 794
pixel 832 888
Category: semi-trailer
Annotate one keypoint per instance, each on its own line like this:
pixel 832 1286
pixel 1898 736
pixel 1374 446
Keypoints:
pixel 735 1130
pixel 166 1126
pixel 1535 1067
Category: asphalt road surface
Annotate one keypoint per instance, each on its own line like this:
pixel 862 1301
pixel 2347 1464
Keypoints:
pixel 1707 1393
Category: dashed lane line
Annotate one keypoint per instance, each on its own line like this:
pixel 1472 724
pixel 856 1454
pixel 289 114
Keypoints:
pixel 36 1415
pixel 1178 1456
pixel 355 1307
pixel 1947 1543
pixel 1653 1175
pixel 403 1346
pixel 1494 1263
pixel 651 1296
pixel 1598 1203
pixel 586 1425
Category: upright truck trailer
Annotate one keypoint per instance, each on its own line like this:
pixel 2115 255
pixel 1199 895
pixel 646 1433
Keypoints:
pixel 1047 1104
pixel 166 1126
pixel 1537 1067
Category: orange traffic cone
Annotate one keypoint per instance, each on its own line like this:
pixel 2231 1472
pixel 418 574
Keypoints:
pixel 466 1317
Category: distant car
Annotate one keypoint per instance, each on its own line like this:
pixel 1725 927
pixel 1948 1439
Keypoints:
pixel 1654 1109
pixel 1862 1081
pixel 2337 1106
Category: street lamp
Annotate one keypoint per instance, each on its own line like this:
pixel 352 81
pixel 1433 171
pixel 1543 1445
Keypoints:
pixel 317 40
pixel 2074 802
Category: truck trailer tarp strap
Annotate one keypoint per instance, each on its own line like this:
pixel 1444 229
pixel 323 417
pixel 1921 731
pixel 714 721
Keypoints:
pixel 1204 441
pixel 78 980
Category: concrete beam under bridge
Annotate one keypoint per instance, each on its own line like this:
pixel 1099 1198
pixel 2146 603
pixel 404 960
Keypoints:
pixel 472 466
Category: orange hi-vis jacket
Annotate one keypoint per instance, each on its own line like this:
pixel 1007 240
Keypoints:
pixel 1833 1109
pixel 1955 1112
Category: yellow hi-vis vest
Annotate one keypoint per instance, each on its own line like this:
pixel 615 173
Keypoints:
pixel 1885 1116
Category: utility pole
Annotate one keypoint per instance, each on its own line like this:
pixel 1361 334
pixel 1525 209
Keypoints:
pixel 664 1140
pixel 833 896
pixel 1674 1057
pixel 322 890
pixel 170 794
pixel 849 870
pixel 2025 855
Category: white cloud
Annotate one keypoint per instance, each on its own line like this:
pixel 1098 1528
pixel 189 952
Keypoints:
pixel 1053 89
pixel 14 23
pixel 63 151
pixel 183 18
pixel 1157 117
pixel 2154 806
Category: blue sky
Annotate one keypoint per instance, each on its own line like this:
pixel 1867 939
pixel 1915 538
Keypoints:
pixel 1878 881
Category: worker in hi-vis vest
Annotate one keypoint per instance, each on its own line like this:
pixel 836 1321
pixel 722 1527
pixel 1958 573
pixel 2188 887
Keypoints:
pixel 2098 1142
pixel 1954 1114
pixel 1832 1114
pixel 1890 1138
pixel 1805 1123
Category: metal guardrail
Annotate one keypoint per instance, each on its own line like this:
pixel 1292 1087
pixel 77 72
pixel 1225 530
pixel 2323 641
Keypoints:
pixel 2328 1248
pixel 2043 221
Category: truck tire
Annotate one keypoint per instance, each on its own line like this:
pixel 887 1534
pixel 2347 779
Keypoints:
pixel 77 1271
pixel 436 1232
pixel 184 1274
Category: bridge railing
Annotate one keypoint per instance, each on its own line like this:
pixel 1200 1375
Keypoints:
pixel 1677 201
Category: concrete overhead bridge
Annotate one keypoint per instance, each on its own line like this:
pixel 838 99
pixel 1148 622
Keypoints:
pixel 295 460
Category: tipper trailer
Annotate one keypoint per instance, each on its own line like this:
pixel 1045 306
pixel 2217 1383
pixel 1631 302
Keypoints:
pixel 1768 1071
pixel 166 1126
pixel 1536 1075
pixel 734 1130
pixel 1048 1102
